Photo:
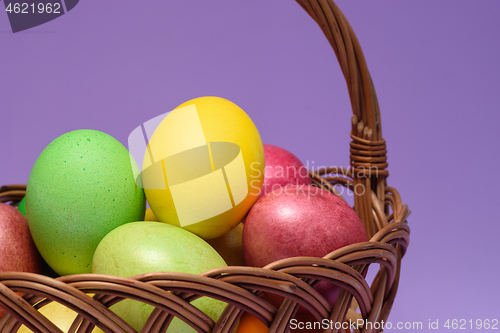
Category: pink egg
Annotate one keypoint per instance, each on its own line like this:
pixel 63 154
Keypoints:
pixel 297 221
pixel 282 169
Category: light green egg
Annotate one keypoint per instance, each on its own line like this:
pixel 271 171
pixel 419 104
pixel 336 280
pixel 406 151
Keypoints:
pixel 81 187
pixel 156 247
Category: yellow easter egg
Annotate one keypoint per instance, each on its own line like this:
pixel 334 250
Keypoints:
pixel 204 166
pixel 150 216
pixel 60 316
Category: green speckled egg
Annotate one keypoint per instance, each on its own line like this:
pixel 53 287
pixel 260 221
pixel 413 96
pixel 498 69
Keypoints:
pixel 80 188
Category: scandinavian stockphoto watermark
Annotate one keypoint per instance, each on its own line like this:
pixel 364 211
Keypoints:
pixel 171 151
pixel 292 172
pixel 351 325
pixel 431 324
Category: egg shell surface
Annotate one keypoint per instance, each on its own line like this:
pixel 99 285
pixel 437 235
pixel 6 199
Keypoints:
pixel 213 190
pixel 22 206
pixel 156 247
pixel 60 315
pixel 80 188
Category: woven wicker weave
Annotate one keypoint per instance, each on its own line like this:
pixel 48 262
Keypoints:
pixel 379 207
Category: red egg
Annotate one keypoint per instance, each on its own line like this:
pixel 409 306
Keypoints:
pixel 17 249
pixel 300 221
pixel 282 169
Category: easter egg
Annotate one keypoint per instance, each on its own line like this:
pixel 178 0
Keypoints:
pixel 230 246
pixel 300 221
pixel 282 169
pixel 17 249
pixel 22 206
pixel 59 315
pixel 81 187
pixel 143 247
pixel 251 324
pixel 204 166
pixel 150 216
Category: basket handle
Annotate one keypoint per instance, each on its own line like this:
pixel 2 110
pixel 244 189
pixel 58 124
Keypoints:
pixel 368 149
pixel 351 59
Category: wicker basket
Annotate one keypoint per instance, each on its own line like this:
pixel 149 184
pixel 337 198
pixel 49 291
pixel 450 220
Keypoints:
pixel 379 207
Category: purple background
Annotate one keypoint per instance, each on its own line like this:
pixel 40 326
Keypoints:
pixel 111 65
